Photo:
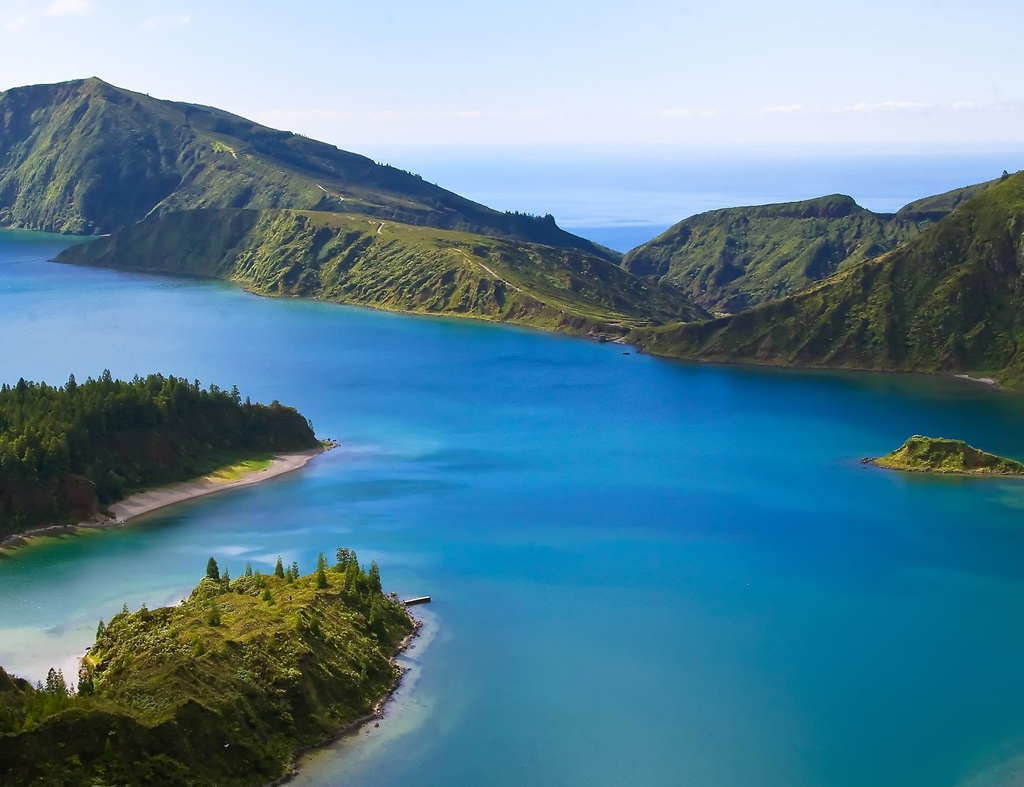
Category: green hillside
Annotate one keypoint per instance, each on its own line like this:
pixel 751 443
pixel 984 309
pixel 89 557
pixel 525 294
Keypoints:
pixel 733 259
pixel 85 157
pixel 222 690
pixel 354 259
pixel 949 300
pixel 939 455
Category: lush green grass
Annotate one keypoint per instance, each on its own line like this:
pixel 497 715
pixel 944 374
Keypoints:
pixel 938 455
pixel 85 157
pixel 239 470
pixel 949 300
pixel 730 260
pixel 362 260
pixel 220 690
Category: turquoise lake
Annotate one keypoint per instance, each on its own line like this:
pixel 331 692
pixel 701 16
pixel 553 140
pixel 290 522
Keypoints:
pixel 644 572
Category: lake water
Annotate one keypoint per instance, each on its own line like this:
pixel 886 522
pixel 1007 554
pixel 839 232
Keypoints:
pixel 644 572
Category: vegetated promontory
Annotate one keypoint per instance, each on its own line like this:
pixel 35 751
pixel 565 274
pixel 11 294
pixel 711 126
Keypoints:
pixel 353 259
pixel 949 300
pixel 220 691
pixel 939 455
pixel 732 259
pixel 67 452
pixel 221 196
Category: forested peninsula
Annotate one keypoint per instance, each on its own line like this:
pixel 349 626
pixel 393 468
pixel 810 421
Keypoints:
pixel 68 452
pixel 221 691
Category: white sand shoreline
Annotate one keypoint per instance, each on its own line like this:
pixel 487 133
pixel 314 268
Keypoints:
pixel 984 380
pixel 147 502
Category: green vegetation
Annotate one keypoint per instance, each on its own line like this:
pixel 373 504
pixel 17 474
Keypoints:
pixel 733 259
pixel 222 690
pixel 85 157
pixel 188 189
pixel 949 300
pixel 66 452
pixel 239 470
pixel 360 260
pixel 938 455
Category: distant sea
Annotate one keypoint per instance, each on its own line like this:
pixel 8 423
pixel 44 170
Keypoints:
pixel 622 197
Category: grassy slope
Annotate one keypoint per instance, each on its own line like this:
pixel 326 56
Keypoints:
pixel 361 260
pixel 179 701
pixel 733 259
pixel 950 300
pixel 85 157
pixel 938 455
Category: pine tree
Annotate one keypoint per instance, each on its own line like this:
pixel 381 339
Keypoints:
pixel 351 578
pixel 321 579
pixel 101 629
pixel 225 577
pixel 248 569
pixel 295 569
pixel 279 568
pixel 86 686
pixel 374 578
pixel 212 572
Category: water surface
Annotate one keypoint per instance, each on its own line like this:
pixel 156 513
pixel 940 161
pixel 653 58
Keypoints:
pixel 645 572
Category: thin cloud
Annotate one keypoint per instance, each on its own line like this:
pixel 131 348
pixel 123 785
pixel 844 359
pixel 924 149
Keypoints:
pixel 16 24
pixel 70 8
pixel 689 113
pixel 887 106
pixel 165 22
pixel 788 109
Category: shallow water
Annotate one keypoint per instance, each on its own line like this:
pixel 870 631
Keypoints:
pixel 644 572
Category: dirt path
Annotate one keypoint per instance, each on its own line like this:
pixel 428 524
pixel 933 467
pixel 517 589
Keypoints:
pixel 329 193
pixel 493 274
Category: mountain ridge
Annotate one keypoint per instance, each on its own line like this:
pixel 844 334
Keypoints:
pixel 732 259
pixel 947 301
pixel 85 157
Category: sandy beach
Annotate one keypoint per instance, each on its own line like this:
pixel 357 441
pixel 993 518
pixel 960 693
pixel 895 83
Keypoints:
pixel 147 502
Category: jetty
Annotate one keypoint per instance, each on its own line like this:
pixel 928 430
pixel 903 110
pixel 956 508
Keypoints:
pixel 409 602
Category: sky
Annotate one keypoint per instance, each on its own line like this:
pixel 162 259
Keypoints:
pixel 897 73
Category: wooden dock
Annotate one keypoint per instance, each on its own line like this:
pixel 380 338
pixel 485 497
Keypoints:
pixel 418 600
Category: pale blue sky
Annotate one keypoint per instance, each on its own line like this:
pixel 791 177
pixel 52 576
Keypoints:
pixel 648 71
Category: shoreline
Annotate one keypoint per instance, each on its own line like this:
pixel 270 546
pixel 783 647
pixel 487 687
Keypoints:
pixel 984 380
pixel 142 503
pixel 870 462
pixel 354 726
pixel 591 335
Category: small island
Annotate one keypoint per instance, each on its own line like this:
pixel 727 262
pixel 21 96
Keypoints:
pixel 223 690
pixel 75 454
pixel 939 455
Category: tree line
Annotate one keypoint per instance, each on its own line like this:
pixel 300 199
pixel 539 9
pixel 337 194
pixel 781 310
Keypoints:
pixel 65 448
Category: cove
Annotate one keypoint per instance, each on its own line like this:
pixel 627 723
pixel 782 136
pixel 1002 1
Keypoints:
pixel 644 572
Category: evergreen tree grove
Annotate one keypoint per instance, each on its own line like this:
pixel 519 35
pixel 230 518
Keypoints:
pixel 108 438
